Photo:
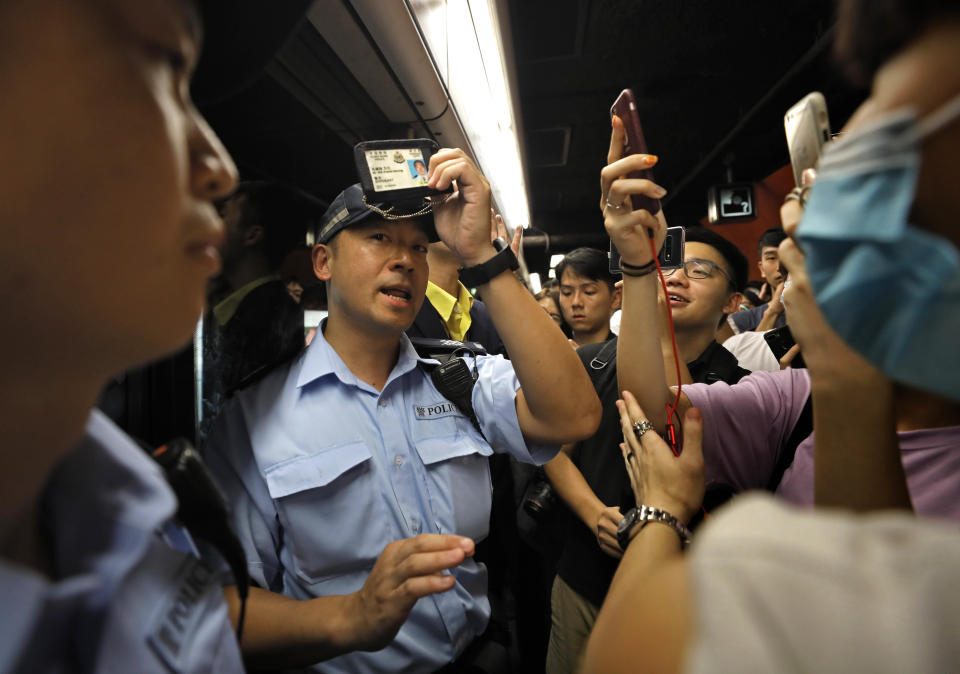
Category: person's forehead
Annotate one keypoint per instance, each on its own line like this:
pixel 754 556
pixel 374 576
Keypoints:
pixel 701 251
pixel 921 76
pixel 572 278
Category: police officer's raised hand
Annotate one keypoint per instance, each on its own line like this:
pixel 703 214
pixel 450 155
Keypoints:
pixel 463 221
pixel 629 229
pixel 404 572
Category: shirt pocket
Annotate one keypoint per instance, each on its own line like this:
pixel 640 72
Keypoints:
pixel 458 477
pixel 334 520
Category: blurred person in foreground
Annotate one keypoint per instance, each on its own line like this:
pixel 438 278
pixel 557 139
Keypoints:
pixel 97 110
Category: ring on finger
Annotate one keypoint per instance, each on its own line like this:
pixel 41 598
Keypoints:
pixel 614 206
pixel 640 427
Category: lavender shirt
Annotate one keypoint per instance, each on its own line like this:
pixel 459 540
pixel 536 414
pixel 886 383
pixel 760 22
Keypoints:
pixel 746 424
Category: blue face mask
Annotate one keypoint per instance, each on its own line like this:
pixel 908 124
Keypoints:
pixel 890 290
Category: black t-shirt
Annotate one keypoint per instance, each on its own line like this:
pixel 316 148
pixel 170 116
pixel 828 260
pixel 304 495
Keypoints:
pixel 583 565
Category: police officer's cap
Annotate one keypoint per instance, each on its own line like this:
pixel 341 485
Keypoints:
pixel 348 209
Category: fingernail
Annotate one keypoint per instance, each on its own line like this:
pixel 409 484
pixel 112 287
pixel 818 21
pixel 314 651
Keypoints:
pixel 659 191
pixel 651 159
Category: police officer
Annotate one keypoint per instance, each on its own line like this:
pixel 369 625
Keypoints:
pixel 352 450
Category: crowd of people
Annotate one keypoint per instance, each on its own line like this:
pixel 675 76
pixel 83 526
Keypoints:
pixel 451 473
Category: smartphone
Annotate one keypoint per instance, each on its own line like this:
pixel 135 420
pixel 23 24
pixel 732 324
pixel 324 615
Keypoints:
pixel 671 254
pixel 807 126
pixel 625 107
pixel 780 340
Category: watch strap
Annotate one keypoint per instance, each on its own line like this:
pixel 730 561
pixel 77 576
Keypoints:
pixel 480 274
pixel 642 516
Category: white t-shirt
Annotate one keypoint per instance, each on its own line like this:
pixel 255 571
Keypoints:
pixel 753 352
pixel 779 589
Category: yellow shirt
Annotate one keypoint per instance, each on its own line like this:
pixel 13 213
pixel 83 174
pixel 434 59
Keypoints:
pixel 455 311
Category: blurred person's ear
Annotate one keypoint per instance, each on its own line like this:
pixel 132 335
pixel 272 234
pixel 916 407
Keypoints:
pixel 733 303
pixel 616 296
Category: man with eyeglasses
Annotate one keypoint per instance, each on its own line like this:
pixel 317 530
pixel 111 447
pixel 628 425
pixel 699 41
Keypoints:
pixel 590 476
pixel 701 294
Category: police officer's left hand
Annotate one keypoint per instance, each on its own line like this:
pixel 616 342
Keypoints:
pixel 406 571
pixel 463 222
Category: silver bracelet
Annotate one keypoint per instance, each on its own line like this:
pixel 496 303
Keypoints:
pixel 643 515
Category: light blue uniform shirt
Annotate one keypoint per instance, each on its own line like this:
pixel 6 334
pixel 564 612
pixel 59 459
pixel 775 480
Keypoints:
pixel 322 471
pixel 129 596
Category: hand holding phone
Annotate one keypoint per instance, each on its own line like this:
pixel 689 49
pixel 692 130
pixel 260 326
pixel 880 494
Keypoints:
pixel 636 226
pixel 671 253
pixel 807 126
pixel 625 107
pixel 780 340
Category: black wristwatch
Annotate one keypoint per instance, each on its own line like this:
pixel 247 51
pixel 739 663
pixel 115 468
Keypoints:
pixel 479 274
pixel 644 515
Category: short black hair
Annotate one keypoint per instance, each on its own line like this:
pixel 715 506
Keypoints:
pixel 870 32
pixel 284 212
pixel 589 263
pixel 735 260
pixel 773 237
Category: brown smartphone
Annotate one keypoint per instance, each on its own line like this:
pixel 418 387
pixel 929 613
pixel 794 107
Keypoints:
pixel 625 107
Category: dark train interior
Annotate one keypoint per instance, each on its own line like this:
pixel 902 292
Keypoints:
pixel 525 87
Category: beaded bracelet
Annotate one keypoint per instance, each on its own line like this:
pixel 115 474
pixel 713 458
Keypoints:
pixel 634 270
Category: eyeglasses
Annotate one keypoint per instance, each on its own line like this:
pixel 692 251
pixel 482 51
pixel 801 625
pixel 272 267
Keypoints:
pixel 699 269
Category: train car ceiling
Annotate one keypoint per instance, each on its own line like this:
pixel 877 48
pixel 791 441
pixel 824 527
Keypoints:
pixel 526 85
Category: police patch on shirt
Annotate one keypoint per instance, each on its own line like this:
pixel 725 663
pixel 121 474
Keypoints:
pixel 176 623
pixel 437 410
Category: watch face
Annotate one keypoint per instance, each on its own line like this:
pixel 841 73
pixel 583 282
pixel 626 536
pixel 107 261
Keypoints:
pixel 626 524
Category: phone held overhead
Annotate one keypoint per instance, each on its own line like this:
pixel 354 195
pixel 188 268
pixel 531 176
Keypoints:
pixel 807 126
pixel 671 254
